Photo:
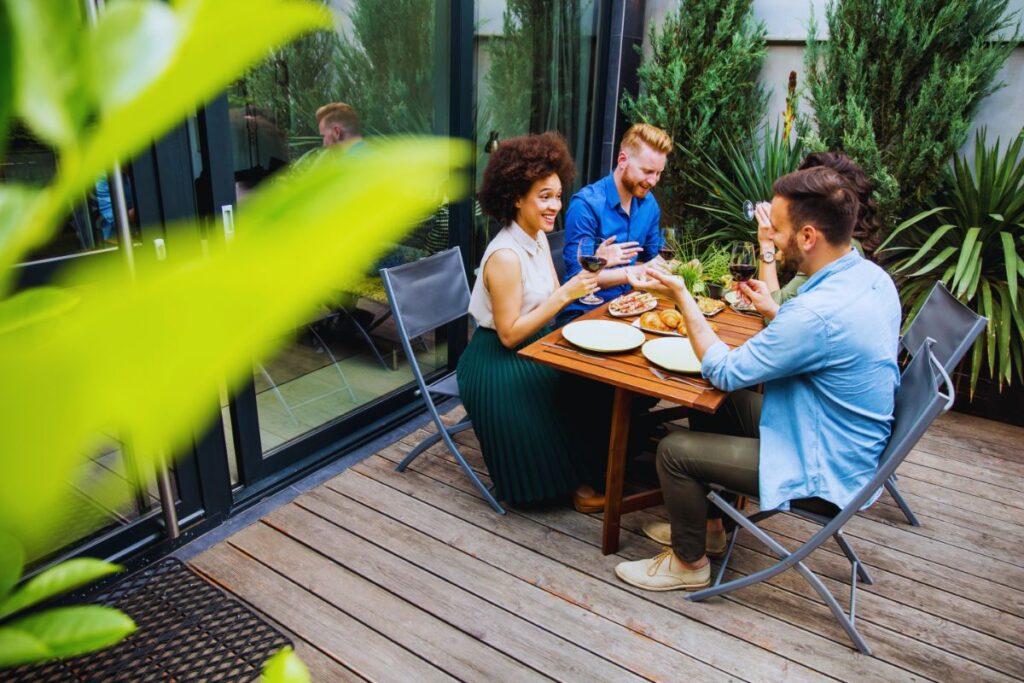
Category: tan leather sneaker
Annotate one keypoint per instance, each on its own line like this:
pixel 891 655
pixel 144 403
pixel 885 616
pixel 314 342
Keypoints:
pixel 663 573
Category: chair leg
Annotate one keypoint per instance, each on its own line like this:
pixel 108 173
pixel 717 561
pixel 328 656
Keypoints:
pixel 415 452
pixel 851 555
pixel 894 491
pixel 471 474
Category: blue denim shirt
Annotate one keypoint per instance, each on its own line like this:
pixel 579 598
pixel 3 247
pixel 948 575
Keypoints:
pixel 828 364
pixel 596 211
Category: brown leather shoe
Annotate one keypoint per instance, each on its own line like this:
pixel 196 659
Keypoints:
pixel 586 500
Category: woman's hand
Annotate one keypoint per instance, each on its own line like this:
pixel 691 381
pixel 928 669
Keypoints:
pixel 618 254
pixel 760 297
pixel 579 285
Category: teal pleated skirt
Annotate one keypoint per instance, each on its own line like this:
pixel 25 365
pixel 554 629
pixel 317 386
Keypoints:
pixel 542 432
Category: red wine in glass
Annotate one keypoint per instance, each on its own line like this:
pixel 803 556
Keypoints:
pixel 592 264
pixel 742 264
pixel 670 240
pixel 586 254
pixel 741 272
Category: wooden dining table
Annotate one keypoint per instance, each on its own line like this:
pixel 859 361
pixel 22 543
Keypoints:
pixel 632 374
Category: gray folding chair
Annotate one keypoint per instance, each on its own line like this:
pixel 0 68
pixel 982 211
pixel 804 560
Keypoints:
pixel 918 402
pixel 954 327
pixel 425 295
pixel 556 242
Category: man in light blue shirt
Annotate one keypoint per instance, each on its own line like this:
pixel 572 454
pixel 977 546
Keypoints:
pixel 828 365
pixel 621 208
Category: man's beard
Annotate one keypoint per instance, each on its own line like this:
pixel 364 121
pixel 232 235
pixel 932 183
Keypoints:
pixel 634 187
pixel 791 254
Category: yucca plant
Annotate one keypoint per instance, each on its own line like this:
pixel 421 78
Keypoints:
pixel 972 239
pixel 748 173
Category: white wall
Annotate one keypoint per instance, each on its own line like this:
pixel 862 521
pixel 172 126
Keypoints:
pixel 787 22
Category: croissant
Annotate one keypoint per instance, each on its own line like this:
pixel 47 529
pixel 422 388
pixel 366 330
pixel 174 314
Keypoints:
pixel 681 327
pixel 652 321
pixel 670 317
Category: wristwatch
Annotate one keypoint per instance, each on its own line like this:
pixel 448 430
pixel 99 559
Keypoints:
pixel 768 256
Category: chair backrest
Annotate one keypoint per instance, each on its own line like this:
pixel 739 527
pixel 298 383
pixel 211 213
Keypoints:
pixel 427 293
pixel 953 326
pixel 556 241
pixel 919 401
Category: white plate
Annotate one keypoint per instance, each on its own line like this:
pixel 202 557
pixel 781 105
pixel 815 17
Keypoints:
pixel 732 297
pixel 667 333
pixel 671 353
pixel 606 336
pixel 650 307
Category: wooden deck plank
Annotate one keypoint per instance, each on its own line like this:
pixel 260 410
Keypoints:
pixel 989 658
pixel 399 563
pixel 738 621
pixel 344 638
pixel 570 659
pixel 450 649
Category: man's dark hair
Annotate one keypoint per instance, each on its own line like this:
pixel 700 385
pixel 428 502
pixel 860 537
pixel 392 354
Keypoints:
pixel 820 197
pixel 516 165
pixel 869 228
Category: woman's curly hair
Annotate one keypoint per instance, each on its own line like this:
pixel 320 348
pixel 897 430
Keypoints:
pixel 868 228
pixel 516 165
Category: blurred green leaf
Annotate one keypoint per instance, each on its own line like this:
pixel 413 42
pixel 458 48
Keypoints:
pixel 141 96
pixel 72 631
pixel 132 44
pixel 59 579
pixel 31 306
pixel 285 667
pixel 46 44
pixel 18 647
pixel 12 561
pixel 306 237
pixel 6 76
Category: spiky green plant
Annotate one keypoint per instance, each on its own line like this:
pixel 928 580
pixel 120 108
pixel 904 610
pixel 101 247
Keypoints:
pixel 745 173
pixel 972 240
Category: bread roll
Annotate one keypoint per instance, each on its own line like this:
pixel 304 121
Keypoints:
pixel 652 321
pixel 670 317
pixel 681 327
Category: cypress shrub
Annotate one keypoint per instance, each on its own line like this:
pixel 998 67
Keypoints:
pixel 896 85
pixel 700 85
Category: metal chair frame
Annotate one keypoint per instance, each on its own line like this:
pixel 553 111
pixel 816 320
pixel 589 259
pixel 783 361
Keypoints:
pixel 921 398
pixel 449 263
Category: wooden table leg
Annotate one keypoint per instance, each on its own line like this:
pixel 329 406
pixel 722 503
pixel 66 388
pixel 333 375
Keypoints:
pixel 616 470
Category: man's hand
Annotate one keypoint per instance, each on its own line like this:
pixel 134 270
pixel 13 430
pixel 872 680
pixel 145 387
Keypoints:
pixel 656 280
pixel 765 229
pixel 618 254
pixel 760 297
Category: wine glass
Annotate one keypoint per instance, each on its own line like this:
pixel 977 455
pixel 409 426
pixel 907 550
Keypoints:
pixel 748 210
pixel 669 243
pixel 586 254
pixel 742 264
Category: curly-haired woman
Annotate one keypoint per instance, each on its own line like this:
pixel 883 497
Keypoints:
pixel 542 432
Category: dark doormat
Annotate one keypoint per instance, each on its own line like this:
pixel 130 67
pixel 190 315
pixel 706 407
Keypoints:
pixel 188 630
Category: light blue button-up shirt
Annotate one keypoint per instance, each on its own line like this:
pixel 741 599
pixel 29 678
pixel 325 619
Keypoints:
pixel 828 364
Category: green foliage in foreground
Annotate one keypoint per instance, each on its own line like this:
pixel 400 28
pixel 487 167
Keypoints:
pixel 701 86
pixel 896 86
pixel 98 95
pixel 973 241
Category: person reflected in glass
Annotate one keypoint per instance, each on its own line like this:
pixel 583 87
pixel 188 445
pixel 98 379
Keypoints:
pixel 765 293
pixel 621 210
pixel 105 208
pixel 542 433
pixel 339 126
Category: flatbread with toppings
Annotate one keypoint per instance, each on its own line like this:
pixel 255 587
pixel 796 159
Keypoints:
pixel 633 303
pixel 708 306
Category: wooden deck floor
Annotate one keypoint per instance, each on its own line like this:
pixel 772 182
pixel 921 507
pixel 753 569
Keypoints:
pixel 411 577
